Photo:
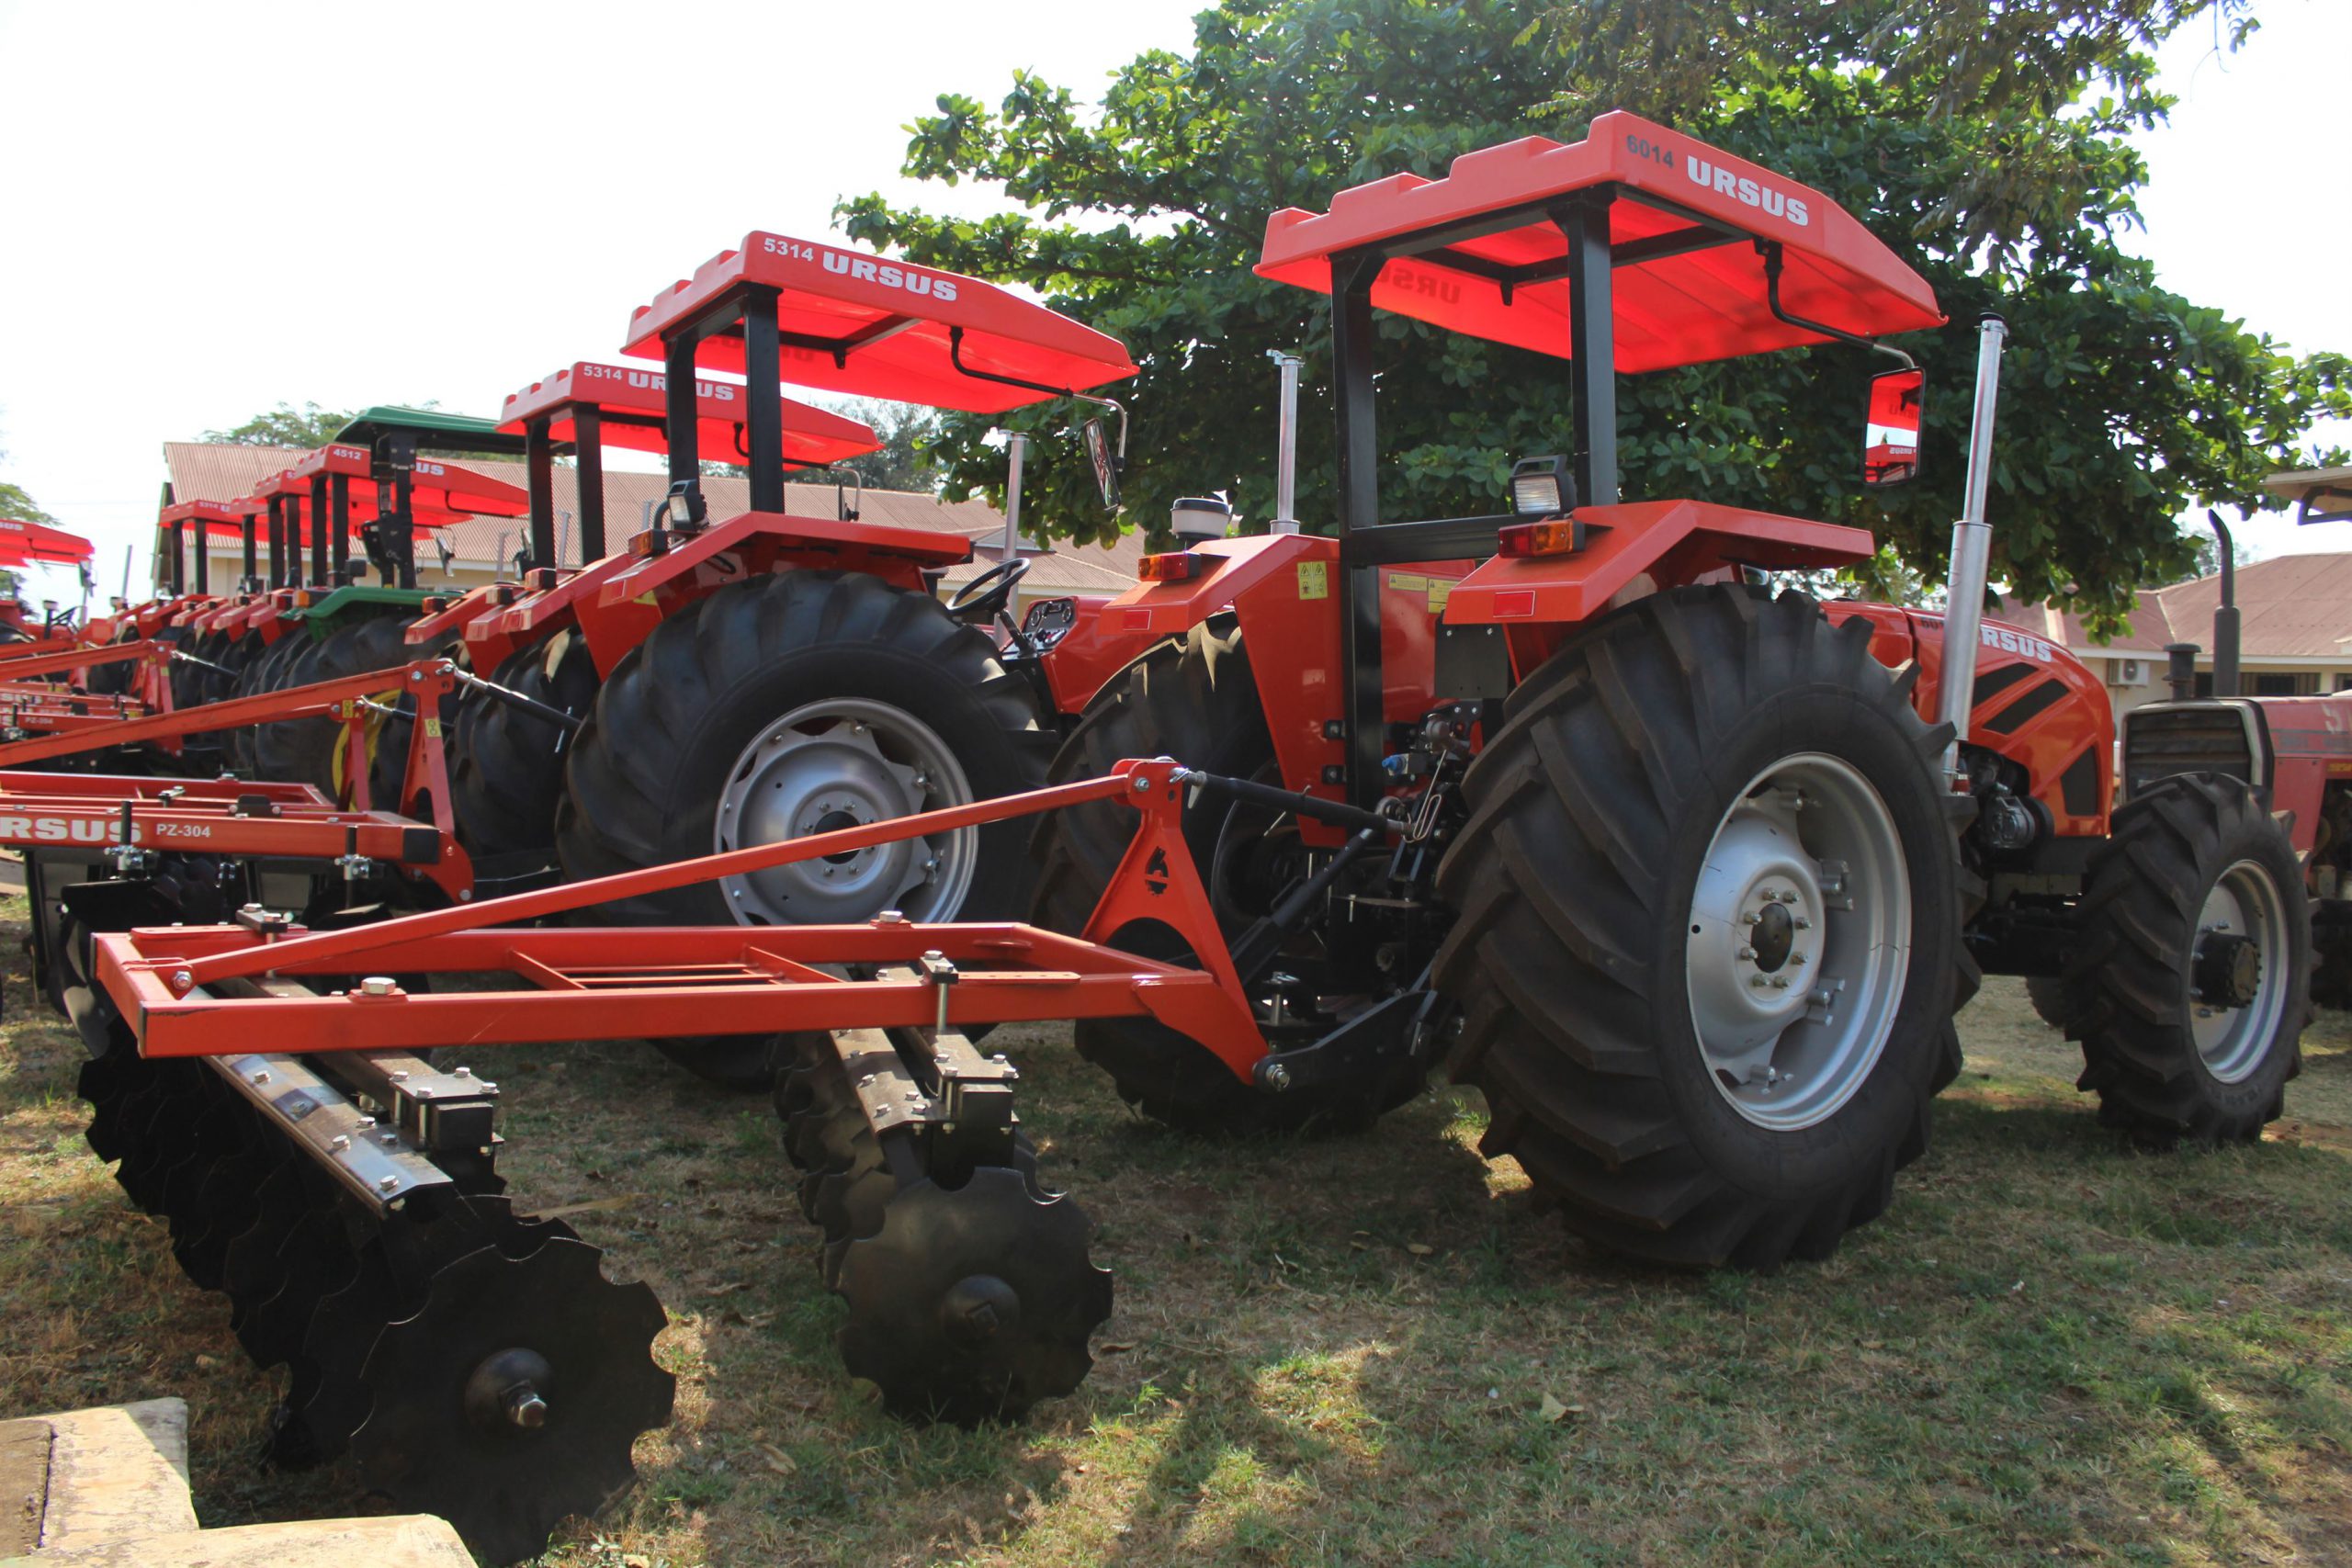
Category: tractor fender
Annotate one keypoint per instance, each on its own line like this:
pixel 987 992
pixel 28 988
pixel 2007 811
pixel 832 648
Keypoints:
pixel 1671 542
pixel 1227 570
pixel 776 536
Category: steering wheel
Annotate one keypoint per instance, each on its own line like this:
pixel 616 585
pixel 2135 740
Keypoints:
pixel 985 597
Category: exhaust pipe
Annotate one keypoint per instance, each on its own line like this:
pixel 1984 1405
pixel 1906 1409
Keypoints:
pixel 1972 546
pixel 1286 445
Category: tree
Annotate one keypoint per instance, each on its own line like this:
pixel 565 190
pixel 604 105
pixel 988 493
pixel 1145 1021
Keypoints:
pixel 1983 139
pixel 284 425
pixel 904 461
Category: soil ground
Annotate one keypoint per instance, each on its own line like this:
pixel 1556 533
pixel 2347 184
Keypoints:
pixel 1374 1351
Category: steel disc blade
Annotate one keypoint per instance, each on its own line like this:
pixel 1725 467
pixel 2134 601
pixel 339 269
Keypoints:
pixel 972 1303
pixel 432 1443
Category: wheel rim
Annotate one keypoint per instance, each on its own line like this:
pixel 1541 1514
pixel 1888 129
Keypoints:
pixel 2235 1014
pixel 1799 942
pixel 843 764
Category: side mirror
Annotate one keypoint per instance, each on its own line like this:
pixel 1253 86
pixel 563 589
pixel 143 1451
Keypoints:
pixel 1891 438
pixel 1105 459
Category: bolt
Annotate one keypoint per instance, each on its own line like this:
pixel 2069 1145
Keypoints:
pixel 390 1139
pixel 1779 982
pixel 1747 953
pixel 461 1072
pixel 890 918
pixel 1803 923
pixel 376 986
pixel 1788 897
pixel 1143 786
pixel 1277 1075
pixel 401 1076
pixel 388 1184
pixel 182 979
pixel 367 1121
pixel 423 1091
pixel 525 1409
pixel 1755 981
pixel 1796 958
pixel 1750 919
pixel 261 1077
pixel 339 1143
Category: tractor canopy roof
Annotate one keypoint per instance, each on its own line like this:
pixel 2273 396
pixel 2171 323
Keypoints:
pixel 27 542
pixel 210 517
pixel 2320 495
pixel 440 493
pixel 851 322
pixel 434 431
pixel 1480 252
pixel 810 434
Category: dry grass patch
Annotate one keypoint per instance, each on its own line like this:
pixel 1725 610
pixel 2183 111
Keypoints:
pixel 1373 1350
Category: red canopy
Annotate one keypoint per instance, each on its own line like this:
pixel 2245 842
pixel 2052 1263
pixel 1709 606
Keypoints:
pixel 440 493
pixel 1680 297
pixel 210 517
pixel 28 543
pixel 854 322
pixel 810 434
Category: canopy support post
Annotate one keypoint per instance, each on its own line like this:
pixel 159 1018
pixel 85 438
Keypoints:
pixel 252 580
pixel 762 401
pixel 538 462
pixel 1592 346
pixel 203 557
pixel 1359 453
pixel 276 541
pixel 321 568
pixel 588 457
pixel 399 523
pixel 339 510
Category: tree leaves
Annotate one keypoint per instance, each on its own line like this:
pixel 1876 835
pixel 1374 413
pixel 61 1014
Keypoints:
pixel 1983 139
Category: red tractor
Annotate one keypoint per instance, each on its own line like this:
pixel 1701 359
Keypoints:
pixel 1691 878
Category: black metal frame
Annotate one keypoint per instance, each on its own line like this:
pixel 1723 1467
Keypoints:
pixel 390 540
pixel 1366 544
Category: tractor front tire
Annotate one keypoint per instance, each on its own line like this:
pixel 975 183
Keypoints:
pixel 2190 980
pixel 1708 944
pixel 791 703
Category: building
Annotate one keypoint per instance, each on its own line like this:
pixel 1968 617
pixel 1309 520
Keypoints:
pixel 477 546
pixel 2294 634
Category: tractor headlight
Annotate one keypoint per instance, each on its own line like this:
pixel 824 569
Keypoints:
pixel 1541 487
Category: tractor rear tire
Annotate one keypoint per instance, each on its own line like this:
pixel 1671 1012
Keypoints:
pixel 507 763
pixel 1683 800
pixel 692 729
pixel 263 672
pixel 309 750
pixel 2189 986
pixel 1191 698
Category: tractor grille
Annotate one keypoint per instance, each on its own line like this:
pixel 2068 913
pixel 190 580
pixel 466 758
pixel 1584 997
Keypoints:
pixel 2162 740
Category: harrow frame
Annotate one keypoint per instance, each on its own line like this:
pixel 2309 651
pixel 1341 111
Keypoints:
pixel 178 988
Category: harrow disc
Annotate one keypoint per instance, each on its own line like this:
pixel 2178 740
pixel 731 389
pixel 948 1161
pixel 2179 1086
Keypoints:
pixel 511 1398
pixel 329 1396
pixel 971 1304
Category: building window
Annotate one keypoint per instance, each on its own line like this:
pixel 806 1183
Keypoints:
pixel 2293 684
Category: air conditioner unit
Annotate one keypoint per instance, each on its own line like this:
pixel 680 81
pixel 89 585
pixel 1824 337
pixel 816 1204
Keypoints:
pixel 2130 674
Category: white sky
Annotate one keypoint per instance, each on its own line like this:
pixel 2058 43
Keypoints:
pixel 193 233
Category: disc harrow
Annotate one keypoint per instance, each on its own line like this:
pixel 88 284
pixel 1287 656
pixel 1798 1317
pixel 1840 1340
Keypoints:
pixel 342 1190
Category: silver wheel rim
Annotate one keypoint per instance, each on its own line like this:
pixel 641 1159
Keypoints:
pixel 836 764
pixel 2232 1040
pixel 1799 942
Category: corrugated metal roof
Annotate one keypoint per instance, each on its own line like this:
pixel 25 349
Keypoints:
pixel 2289 607
pixel 203 472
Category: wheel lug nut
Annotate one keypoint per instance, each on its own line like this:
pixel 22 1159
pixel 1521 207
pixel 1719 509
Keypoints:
pixel 1779 982
pixel 1747 953
pixel 1795 958
pixel 1803 923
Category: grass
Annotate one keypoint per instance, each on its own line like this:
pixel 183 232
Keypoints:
pixel 1373 1350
